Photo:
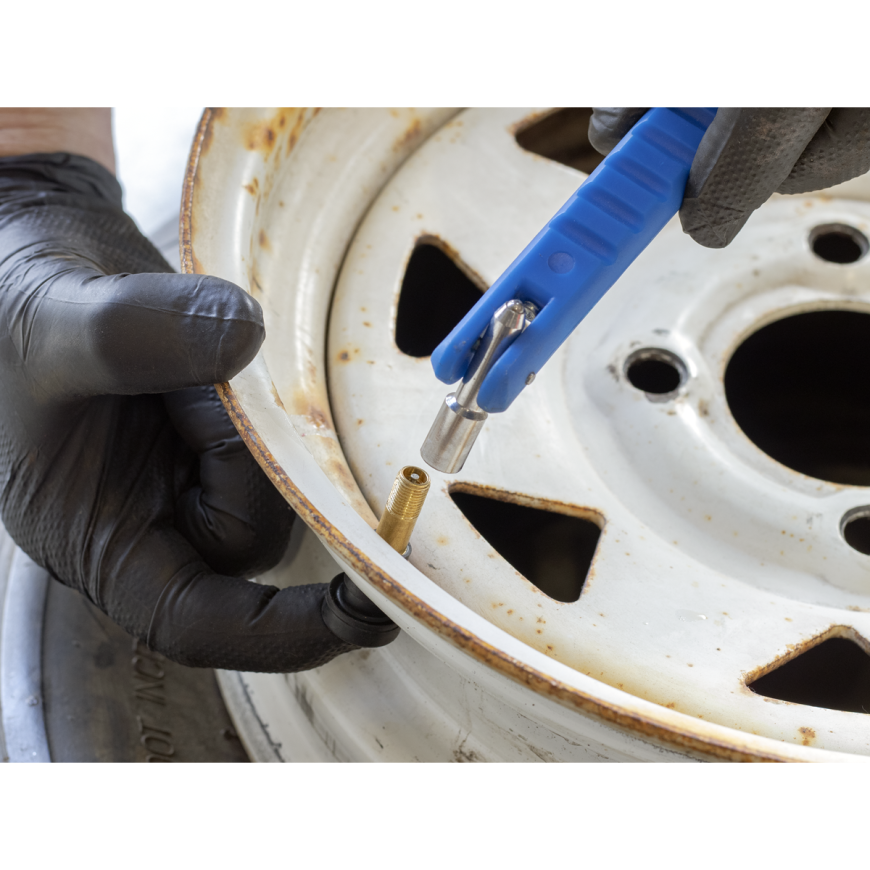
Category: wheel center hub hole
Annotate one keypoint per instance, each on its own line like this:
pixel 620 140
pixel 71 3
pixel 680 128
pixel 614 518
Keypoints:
pixel 799 389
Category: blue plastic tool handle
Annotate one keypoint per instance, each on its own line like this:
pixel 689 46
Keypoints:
pixel 582 251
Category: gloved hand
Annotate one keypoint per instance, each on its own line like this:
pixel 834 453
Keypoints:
pixel 120 471
pixel 748 154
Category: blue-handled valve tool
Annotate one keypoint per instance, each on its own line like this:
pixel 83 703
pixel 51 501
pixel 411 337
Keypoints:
pixel 518 324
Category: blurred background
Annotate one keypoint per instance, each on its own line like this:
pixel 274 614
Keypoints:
pixel 152 147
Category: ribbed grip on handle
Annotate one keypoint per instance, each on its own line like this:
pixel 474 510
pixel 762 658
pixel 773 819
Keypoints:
pixel 582 251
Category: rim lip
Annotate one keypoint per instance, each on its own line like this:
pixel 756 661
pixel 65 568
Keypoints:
pixel 728 744
pixel 22 702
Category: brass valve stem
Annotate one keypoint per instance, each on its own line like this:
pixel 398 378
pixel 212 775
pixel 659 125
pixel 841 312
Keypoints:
pixel 403 507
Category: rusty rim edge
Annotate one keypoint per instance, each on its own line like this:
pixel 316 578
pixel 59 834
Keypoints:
pixel 185 223
pixel 634 723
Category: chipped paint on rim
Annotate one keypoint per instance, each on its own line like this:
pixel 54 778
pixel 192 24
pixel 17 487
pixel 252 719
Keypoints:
pixel 645 720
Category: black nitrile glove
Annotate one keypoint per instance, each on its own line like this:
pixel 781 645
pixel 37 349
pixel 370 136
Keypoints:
pixel 748 154
pixel 121 472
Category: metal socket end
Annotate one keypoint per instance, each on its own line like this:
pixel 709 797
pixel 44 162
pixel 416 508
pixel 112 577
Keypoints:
pixel 460 418
pixel 403 507
pixel 452 436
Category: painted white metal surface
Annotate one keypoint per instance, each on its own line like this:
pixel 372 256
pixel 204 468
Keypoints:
pixel 714 560
pixel 273 201
pixel 403 702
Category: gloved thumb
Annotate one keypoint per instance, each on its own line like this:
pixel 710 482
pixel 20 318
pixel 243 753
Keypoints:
pixel 92 334
pixel 157 588
pixel 744 157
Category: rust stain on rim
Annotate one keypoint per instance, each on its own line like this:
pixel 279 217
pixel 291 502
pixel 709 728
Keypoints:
pixel 667 736
pixel 452 254
pixel 567 509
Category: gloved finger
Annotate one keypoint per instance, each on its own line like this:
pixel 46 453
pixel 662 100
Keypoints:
pixel 608 126
pixel 234 517
pixel 840 150
pixel 161 591
pixel 744 157
pixel 87 334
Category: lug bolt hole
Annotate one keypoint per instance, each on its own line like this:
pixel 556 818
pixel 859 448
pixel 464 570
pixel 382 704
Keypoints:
pixel 657 372
pixel 838 243
pixel 855 528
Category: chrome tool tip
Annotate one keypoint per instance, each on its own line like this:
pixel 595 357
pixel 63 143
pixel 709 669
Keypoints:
pixel 460 418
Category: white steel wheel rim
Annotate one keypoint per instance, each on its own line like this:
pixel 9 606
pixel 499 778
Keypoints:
pixel 434 612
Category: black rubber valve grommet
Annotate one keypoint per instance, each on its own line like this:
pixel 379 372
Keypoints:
pixel 350 624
